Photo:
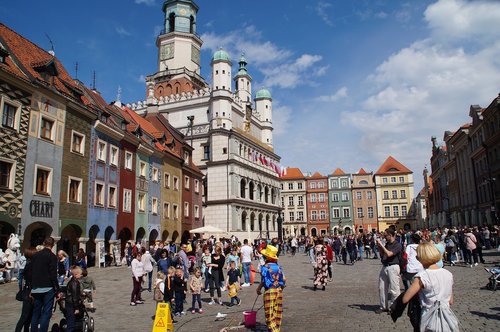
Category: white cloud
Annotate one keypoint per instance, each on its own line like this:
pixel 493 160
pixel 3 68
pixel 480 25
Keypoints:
pixel 339 94
pixel 122 32
pixel 322 11
pixel 146 2
pixel 426 88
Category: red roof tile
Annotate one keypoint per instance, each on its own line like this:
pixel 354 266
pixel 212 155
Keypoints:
pixel 392 166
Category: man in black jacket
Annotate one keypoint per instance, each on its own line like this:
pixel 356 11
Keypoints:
pixel 44 286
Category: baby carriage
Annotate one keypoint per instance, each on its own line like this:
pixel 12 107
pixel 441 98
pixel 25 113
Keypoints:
pixel 494 279
pixel 83 321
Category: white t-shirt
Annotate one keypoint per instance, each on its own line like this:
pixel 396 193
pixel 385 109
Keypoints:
pixel 246 254
pixel 438 286
pixel 413 266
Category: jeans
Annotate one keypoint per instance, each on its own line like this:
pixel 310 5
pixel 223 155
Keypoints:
pixel 246 271
pixel 42 310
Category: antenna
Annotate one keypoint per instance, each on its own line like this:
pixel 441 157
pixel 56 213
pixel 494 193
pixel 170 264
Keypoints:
pixel 76 70
pixel 52 51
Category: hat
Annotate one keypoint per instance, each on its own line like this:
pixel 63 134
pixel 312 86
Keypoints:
pixel 270 252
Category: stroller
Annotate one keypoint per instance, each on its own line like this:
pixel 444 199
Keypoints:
pixel 83 321
pixel 494 279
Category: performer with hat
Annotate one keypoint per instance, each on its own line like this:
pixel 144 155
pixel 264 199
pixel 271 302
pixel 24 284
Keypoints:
pixel 273 281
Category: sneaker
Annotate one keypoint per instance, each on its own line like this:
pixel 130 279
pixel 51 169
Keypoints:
pixel 211 302
pixel 200 311
pixel 132 303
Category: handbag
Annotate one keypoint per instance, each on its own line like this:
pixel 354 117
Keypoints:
pixel 439 317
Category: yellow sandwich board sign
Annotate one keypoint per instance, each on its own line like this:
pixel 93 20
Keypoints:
pixel 163 319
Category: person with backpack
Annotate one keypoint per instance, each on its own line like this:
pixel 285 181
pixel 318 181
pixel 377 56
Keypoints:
pixel 435 288
pixel 450 243
pixel 390 273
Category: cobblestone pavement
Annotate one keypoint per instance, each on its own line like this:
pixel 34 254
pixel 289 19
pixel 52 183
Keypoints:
pixel 348 303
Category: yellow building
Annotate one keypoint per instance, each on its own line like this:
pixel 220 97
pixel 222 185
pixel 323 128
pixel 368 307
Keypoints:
pixel 394 191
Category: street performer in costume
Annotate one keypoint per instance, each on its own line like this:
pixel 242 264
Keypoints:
pixel 273 281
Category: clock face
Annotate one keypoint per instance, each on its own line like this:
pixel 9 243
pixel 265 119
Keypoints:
pixel 167 51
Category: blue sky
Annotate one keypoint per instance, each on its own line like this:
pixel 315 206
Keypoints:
pixel 353 81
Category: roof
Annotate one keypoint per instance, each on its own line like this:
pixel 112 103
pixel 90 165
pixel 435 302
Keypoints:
pixel 338 171
pixel 28 61
pixel 221 55
pixel 362 172
pixel 392 166
pixel 263 94
pixel 293 173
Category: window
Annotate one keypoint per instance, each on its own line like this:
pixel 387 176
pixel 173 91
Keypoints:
pixel 336 212
pixel 313 185
pixel 386 194
pixel 175 211
pixel 299 185
pixel 74 190
pixel 141 202
pixel 322 215
pixel 314 215
pixel 113 155
pixel 47 129
pixel 154 205
pixel 176 183
pixel 186 182
pixel 77 142
pixel 301 201
pixel 166 180
pixel 403 193
pixel 370 212
pixel 9 116
pixel 358 195
pixel 395 209
pixel 313 198
pixel 166 210
pixel 401 179
pixel 290 186
pixel 6 175
pixel 393 179
pixel 345 197
pixel 403 211
pixel 394 194
pixel 290 201
pixel 387 211
pixel 128 160
pixel 196 212
pixel 300 216
pixel 346 213
pixel 360 212
pixel 101 150
pixel 321 197
pixel 142 169
pixel 43 180
pixel 99 194
pixel 369 195
pixel 292 216
pixel 196 186
pixel 127 200
pixel 384 180
pixel 335 197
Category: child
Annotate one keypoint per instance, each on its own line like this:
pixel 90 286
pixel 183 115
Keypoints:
pixel 233 282
pixel 195 286
pixel 159 290
pixel 179 288
pixel 73 298
pixel 88 286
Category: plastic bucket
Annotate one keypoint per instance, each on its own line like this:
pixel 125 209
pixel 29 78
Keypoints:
pixel 250 318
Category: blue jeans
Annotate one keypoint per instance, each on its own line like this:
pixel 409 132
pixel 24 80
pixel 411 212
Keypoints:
pixel 42 310
pixel 246 271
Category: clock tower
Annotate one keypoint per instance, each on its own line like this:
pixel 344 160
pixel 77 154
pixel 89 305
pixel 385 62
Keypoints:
pixel 178 52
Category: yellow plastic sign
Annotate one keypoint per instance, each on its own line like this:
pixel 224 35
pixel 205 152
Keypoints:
pixel 163 319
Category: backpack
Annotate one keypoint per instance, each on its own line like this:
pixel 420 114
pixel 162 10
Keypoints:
pixel 158 295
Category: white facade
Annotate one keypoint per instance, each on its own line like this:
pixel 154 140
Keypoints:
pixel 232 141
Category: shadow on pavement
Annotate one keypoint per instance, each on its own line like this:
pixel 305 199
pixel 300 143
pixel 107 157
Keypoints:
pixel 365 307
